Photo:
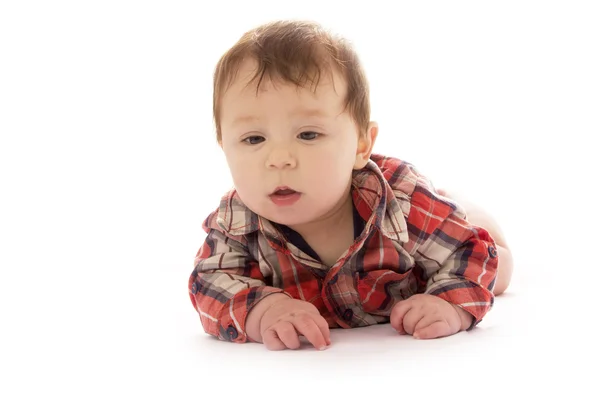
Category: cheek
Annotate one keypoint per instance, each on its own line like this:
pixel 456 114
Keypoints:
pixel 243 176
pixel 340 158
pixel 239 164
pixel 332 170
pixel 245 173
pixel 244 182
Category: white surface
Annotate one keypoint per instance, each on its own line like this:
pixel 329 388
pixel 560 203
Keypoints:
pixel 108 166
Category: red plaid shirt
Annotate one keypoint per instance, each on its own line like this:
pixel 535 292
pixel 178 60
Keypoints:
pixel 413 241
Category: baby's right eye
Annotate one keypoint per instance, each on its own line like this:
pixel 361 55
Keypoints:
pixel 254 139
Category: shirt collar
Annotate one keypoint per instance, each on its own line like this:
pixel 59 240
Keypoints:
pixel 368 186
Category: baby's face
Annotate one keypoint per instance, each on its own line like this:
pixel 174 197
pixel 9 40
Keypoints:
pixel 289 137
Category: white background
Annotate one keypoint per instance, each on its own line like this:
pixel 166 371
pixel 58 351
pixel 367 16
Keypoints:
pixel 108 165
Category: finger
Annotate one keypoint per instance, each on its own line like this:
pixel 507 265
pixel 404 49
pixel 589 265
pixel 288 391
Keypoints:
pixel 324 327
pixel 437 329
pixel 397 315
pixel 412 318
pixel 271 340
pixel 288 335
pixel 306 326
pixel 428 319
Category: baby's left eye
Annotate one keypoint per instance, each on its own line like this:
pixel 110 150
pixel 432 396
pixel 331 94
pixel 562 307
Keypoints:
pixel 309 135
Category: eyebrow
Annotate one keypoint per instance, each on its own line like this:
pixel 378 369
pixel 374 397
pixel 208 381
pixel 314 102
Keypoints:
pixel 314 112
pixel 244 119
pixel 301 112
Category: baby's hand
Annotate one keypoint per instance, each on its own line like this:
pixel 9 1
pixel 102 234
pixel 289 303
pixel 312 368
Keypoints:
pixel 285 320
pixel 426 317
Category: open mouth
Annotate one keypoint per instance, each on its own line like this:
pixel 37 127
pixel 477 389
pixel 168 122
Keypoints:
pixel 284 196
pixel 283 191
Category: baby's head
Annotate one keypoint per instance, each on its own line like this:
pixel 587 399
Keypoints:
pixel 297 53
pixel 291 108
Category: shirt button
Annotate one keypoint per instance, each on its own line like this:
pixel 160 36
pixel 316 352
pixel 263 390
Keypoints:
pixel 492 252
pixel 194 288
pixel 348 314
pixel 232 332
pixel 333 280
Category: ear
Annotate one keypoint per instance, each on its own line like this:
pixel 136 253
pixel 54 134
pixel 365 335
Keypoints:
pixel 366 142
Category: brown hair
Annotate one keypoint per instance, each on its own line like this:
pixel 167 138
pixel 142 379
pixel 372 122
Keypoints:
pixel 296 52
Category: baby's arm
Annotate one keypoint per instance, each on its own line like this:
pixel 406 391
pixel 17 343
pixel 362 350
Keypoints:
pixel 228 290
pixel 458 261
pixel 478 216
pixel 225 285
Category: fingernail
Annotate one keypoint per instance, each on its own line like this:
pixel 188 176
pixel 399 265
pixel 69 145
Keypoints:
pixel 322 348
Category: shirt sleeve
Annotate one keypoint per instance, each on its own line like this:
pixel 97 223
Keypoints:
pixel 225 284
pixel 459 260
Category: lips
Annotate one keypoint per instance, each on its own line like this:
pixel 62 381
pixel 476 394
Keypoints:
pixel 283 191
pixel 284 196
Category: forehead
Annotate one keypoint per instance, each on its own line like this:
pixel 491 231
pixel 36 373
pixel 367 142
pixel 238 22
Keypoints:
pixel 248 86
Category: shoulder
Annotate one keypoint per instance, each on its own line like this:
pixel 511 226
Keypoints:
pixel 415 191
pixel 401 175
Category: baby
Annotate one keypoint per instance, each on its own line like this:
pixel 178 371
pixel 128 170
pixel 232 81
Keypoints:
pixel 319 231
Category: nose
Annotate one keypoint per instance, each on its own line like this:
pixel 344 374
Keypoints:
pixel 281 158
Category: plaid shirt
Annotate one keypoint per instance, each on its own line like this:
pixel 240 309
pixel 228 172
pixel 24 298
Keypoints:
pixel 413 241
